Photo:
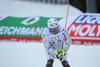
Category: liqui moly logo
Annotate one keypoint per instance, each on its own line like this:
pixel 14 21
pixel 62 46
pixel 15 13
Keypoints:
pixel 86 27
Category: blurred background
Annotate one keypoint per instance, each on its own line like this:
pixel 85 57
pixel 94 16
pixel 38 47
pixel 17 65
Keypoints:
pixel 92 6
pixel 27 7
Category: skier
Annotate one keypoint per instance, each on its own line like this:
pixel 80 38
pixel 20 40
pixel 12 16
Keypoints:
pixel 57 42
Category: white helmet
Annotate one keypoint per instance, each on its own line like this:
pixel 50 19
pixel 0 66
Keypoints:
pixel 52 23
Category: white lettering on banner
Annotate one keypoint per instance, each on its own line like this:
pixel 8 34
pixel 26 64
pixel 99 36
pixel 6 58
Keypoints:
pixel 40 30
pixel 31 32
pixel 87 27
pixel 5 30
pixel 2 28
pixel 30 18
pixel 73 28
pixel 24 31
pixel 92 31
pixel 84 30
pixel 10 30
pixel 98 33
pixel 17 30
pixel 88 19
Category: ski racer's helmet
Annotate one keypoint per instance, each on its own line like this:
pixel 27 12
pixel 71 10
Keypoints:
pixel 53 25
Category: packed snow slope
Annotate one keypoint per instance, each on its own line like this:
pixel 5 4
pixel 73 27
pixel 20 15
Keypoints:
pixel 19 54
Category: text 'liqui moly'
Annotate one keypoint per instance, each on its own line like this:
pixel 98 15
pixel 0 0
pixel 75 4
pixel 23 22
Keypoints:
pixel 86 30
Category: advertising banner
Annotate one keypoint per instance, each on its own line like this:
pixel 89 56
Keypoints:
pixel 84 29
pixel 17 29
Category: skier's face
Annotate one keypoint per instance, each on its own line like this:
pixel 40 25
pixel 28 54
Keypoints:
pixel 56 29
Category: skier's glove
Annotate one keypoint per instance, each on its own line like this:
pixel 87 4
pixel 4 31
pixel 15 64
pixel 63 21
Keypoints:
pixel 60 54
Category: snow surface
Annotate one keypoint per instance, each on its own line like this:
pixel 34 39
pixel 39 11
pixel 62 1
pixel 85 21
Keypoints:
pixel 21 54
